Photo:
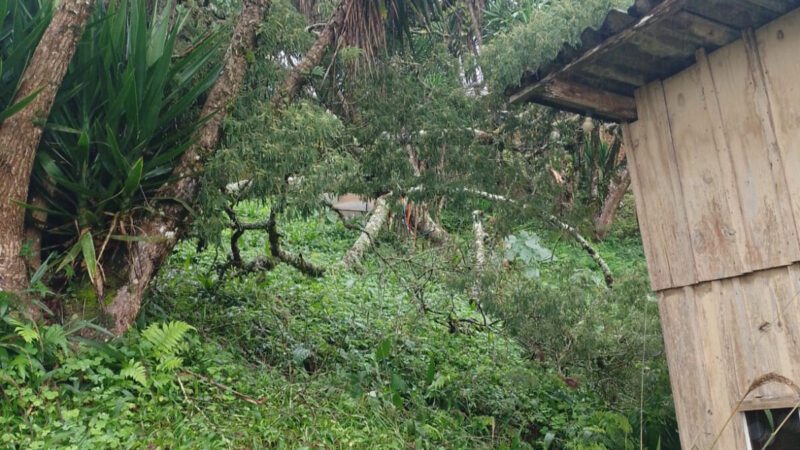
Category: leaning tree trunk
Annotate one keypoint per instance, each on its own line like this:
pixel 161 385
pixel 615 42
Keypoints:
pixel 617 190
pixel 20 134
pixel 160 232
pixel 294 81
pixel 425 223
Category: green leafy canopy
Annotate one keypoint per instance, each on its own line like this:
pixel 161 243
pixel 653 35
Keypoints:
pixel 535 33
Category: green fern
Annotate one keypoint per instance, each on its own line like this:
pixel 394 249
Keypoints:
pixel 55 336
pixel 165 338
pixel 24 330
pixel 170 363
pixel 135 371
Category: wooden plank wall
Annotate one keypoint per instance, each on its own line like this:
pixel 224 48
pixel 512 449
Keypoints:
pixel 716 164
pixel 723 336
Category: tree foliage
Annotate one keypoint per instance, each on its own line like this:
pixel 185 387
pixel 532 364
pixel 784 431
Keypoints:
pixel 531 32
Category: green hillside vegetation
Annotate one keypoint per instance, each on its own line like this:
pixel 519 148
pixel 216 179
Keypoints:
pixel 282 360
pixel 173 271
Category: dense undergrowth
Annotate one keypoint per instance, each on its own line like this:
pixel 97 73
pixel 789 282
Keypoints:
pixel 351 361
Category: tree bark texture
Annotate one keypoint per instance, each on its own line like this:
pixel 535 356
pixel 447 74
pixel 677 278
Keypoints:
pixel 376 221
pixel 476 8
pixel 294 81
pixel 296 261
pixel 20 134
pixel 431 229
pixel 616 192
pixel 160 232
pixel 480 251
pixel 425 224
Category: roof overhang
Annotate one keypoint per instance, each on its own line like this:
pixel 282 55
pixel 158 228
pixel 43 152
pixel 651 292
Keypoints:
pixel 653 40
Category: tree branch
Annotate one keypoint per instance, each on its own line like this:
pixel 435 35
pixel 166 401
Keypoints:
pixel 609 278
pixel 276 252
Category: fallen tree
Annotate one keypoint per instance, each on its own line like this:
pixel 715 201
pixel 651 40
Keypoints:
pixel 601 263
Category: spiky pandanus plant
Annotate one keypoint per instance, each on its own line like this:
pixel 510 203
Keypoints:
pixel 123 117
pixel 21 26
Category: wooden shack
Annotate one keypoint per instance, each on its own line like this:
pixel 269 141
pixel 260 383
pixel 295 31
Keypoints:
pixel 709 95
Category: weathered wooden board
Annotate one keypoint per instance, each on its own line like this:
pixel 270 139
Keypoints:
pixel 656 260
pixel 659 189
pixel 721 337
pixel 706 174
pixel 778 45
pixel 682 342
pixel 736 100
pixel 765 296
pixel 715 161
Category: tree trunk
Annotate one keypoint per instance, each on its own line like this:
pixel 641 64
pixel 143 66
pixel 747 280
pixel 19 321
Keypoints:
pixel 20 133
pixel 607 275
pixel 425 223
pixel 432 230
pixel 378 218
pixel 33 233
pixel 294 81
pixel 616 192
pixel 160 232
pixel 476 17
pixel 480 252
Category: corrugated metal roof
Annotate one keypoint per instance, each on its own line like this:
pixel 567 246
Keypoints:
pixel 652 40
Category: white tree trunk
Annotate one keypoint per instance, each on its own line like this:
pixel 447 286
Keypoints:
pixel 480 251
pixel 352 259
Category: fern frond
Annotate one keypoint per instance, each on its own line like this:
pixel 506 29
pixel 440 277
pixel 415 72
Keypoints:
pixel 166 337
pixel 55 336
pixel 170 363
pixel 24 330
pixel 135 371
